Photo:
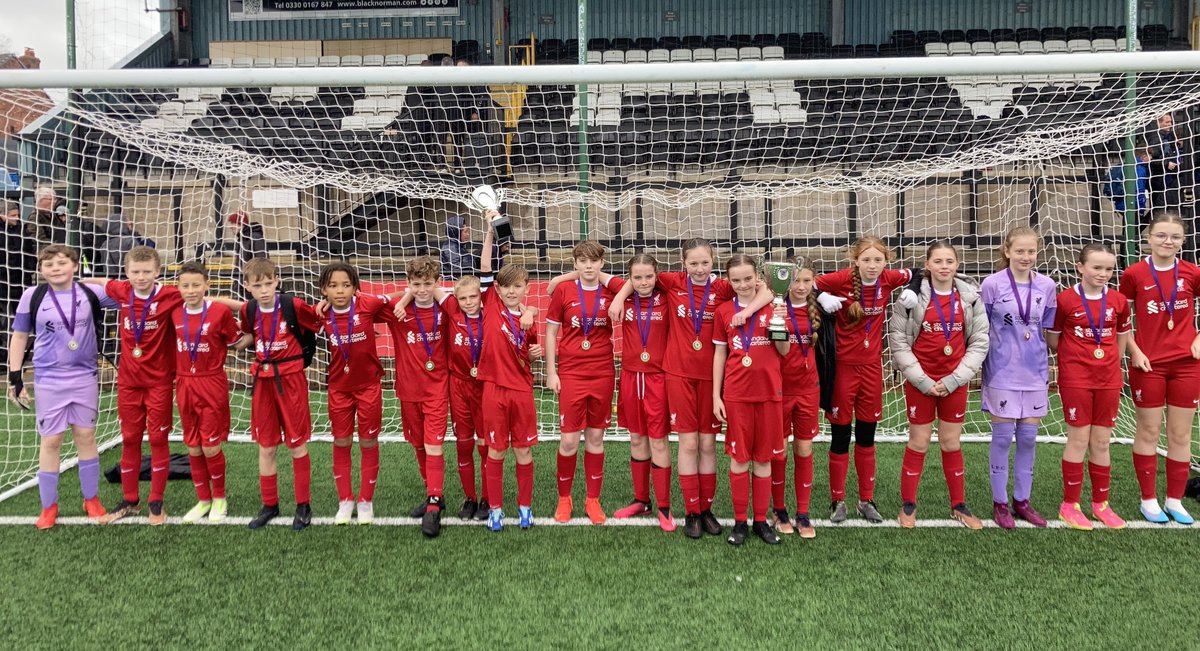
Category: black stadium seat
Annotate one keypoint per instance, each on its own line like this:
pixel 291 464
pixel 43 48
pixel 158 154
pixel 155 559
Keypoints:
pixel 953 35
pixel 842 51
pixel 1079 32
pixel 1105 31
pixel 1028 34
pixel 670 43
pixel 1054 34
pixel 692 42
pixel 764 40
pixel 715 41
pixel 927 36
pixel 645 43
pixel 740 40
pixel 904 37
pixel 599 44
pixel 978 35
pixel 866 51
pixel 622 44
pixel 1003 34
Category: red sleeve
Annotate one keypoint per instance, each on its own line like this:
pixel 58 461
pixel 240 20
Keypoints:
pixel 169 297
pixel 669 280
pixel 722 290
pixel 554 313
pixel 721 317
pixel 306 315
pixel 837 282
pixel 894 278
pixel 1128 285
pixel 244 316
pixel 532 336
pixel 382 307
pixel 118 290
pixel 450 306
pixel 1124 317
pixel 227 326
pixel 615 284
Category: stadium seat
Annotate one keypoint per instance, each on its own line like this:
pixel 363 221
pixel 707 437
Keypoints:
pixel 727 54
pixel 740 40
pixel 1055 47
pixel 170 108
pixel 704 54
pixel 952 35
pixel 415 59
pixel 1005 48
pixel 772 53
pixel 1079 45
pixel 983 48
pixel 1121 43
pixel 243 62
pixel 978 35
pixel 372 60
pixel 1003 34
pixel 765 115
pixel 866 51
pixel 352 60
pixel 927 36
pixel 366 106
pixel 842 51
pixel 750 53
pixel 329 61
pixel 937 49
pixel 1031 47
pixel 1028 34
pixel 904 37
pixel 635 56
pixel 599 44
pixel 220 63
pixel 668 43
pixel 281 94
pixel 658 56
pixel 1104 45
pixel 612 56
pixel 306 62
pixel 692 42
pixel 645 43
pixel 716 41
pixel 1053 34
pixel 1079 32
pixel 764 40
pixel 622 44
pixel 681 55
pixel 959 48
pixel 594 56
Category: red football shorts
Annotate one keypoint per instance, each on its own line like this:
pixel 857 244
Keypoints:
pixel 509 417
pixel 585 403
pixel 203 409
pixel 802 416
pixel 1095 407
pixel 1175 383
pixel 642 404
pixel 145 410
pixel 364 404
pixel 424 423
pixel 754 431
pixel 466 407
pixel 281 416
pixel 690 402
pixel 857 394
pixel 924 408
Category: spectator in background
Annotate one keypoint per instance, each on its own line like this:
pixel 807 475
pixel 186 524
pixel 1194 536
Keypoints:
pixel 1166 157
pixel 50 225
pixel 119 238
pixel 1115 187
pixel 18 261
pixel 458 255
pixel 252 241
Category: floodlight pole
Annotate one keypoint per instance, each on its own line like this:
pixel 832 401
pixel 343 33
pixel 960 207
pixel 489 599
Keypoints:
pixel 582 91
pixel 1132 220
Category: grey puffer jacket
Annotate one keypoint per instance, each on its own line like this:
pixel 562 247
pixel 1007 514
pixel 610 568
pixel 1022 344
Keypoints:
pixel 905 326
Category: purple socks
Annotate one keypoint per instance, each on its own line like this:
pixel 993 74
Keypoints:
pixel 48 488
pixel 89 477
pixel 1002 438
pixel 1023 461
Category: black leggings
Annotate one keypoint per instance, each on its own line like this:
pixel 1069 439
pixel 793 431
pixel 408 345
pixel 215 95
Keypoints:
pixel 864 436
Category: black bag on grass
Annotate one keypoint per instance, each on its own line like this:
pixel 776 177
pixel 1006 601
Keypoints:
pixel 178 469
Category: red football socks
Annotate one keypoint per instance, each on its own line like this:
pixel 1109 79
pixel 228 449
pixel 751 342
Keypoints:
pixel 216 473
pixel 1072 473
pixel 200 477
pixel 369 473
pixel 268 486
pixel 525 484
pixel 1145 466
pixel 342 481
pixel 953 469
pixel 689 487
pixel 708 490
pixel 762 497
pixel 131 468
pixel 639 469
pixel 494 475
pixel 662 485
pixel 1177 475
pixel 593 465
pixel 465 449
pixel 839 465
pixel 566 473
pixel 302 477
pixel 910 474
pixel 435 474
pixel 1101 477
pixel 739 492
pixel 802 479
pixel 864 467
pixel 420 451
pixel 779 483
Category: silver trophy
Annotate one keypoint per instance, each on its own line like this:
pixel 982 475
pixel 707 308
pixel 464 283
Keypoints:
pixel 483 198
pixel 779 278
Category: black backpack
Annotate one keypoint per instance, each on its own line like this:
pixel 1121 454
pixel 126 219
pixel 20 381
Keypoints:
pixel 39 295
pixel 287 305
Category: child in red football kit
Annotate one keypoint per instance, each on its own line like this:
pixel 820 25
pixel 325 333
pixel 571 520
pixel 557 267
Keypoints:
pixel 355 388
pixel 579 368
pixel 1091 332
pixel 858 386
pixel 145 378
pixel 748 395
pixel 801 403
pixel 279 409
pixel 939 345
pixel 505 366
pixel 692 296
pixel 204 333
pixel 423 384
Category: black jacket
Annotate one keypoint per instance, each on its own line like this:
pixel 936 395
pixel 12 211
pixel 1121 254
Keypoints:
pixel 826 354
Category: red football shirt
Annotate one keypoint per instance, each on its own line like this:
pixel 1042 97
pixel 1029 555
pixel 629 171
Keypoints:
pixel 156 364
pixel 505 359
pixel 763 379
pixel 1157 341
pixel 353 356
pixel 930 346
pixel 862 343
pixel 1078 367
pixel 466 338
pixel 274 340
pixel 203 338
pixel 652 325
pixel 800 366
pixel 682 358
pixel 568 306
pixel 421 338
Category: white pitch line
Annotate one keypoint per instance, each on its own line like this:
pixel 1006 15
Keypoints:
pixel 511 523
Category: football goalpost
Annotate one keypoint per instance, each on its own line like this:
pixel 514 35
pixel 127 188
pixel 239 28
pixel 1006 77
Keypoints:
pixel 371 164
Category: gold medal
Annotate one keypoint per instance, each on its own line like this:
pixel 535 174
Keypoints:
pixel 429 366
pixel 474 371
pixel 947 351
pixel 1170 324
pixel 137 353
pixel 696 345
pixel 586 345
pixel 1027 335
pixel 1098 353
pixel 746 361
pixel 266 366
pixel 73 345
pixel 645 356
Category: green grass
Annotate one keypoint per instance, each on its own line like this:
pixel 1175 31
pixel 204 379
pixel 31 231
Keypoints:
pixel 600 587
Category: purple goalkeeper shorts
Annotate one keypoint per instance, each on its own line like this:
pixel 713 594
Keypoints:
pixel 1016 405
pixel 59 404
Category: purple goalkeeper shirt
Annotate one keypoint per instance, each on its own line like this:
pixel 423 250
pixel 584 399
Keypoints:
pixel 1012 363
pixel 52 357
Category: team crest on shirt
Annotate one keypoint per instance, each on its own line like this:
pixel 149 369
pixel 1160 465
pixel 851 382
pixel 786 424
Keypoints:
pixel 1179 284
pixel 762 320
